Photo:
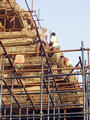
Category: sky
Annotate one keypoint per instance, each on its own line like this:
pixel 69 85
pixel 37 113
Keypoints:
pixel 69 19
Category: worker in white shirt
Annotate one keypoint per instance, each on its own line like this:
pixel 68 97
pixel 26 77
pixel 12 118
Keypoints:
pixel 54 42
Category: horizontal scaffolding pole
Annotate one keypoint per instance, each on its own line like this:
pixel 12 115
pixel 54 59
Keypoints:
pixel 38 76
pixel 38 93
pixel 55 69
pixel 28 53
pixel 69 106
pixel 37 115
pixel 70 85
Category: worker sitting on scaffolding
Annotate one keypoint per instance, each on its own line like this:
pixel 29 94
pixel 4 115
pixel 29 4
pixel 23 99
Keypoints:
pixel 54 42
pixel 64 62
pixel 43 38
pixel 67 62
pixel 54 45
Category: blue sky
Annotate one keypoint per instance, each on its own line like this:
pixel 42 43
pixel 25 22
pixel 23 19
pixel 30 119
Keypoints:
pixel 70 19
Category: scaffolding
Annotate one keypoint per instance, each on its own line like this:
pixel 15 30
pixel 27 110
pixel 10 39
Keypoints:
pixel 50 95
pixel 51 106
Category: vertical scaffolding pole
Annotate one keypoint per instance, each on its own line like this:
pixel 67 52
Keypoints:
pixel 32 5
pixel 27 108
pixel 41 89
pixel 48 100
pixel 84 80
pixel 58 108
pixel 11 100
pixel 33 114
pixel 20 98
pixel 86 91
pixel 2 77
pixel 88 85
pixel 87 98
pixel 64 114
pixel 5 112
pixel 54 101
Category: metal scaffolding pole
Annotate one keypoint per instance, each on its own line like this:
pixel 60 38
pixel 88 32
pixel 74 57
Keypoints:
pixel 54 101
pixel 48 98
pixel 5 112
pixel 27 109
pixel 84 80
pixel 58 108
pixel 11 100
pixel 64 114
pixel 20 98
pixel 41 89
pixel 87 98
pixel 33 114
pixel 2 77
pixel 88 87
pixel 86 92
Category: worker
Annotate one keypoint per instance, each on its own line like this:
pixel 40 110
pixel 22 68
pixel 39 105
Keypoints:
pixel 54 42
pixel 19 62
pixel 67 62
pixel 54 46
pixel 43 38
